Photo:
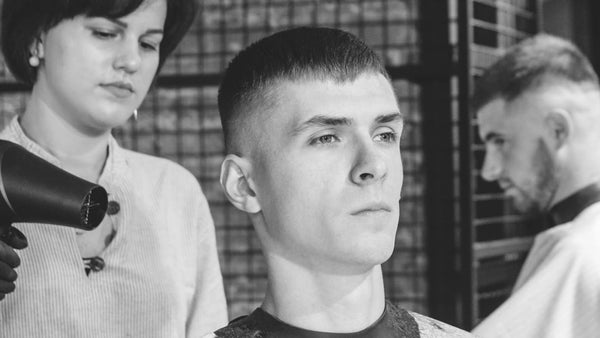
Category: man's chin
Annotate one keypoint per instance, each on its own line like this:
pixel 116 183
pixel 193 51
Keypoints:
pixel 525 207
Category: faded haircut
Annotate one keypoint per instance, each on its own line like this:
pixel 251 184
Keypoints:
pixel 529 64
pixel 305 53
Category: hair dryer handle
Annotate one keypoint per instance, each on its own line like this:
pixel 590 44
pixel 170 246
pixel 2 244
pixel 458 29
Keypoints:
pixel 13 237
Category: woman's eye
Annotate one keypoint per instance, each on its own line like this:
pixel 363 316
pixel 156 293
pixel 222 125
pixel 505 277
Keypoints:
pixel 104 34
pixel 149 46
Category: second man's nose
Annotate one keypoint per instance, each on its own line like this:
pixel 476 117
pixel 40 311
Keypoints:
pixel 491 168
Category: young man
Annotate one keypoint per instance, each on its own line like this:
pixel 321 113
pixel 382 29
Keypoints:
pixel 538 109
pixel 312 129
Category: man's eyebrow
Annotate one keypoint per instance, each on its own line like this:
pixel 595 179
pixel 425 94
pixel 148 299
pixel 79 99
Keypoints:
pixel 491 136
pixel 392 117
pixel 124 24
pixel 322 121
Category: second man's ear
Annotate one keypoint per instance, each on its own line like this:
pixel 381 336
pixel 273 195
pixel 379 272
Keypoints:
pixel 237 184
pixel 560 124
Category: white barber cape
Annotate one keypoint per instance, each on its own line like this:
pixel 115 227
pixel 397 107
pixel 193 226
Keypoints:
pixel 557 293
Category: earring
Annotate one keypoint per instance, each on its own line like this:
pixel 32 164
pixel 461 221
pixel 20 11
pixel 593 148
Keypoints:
pixel 135 114
pixel 34 61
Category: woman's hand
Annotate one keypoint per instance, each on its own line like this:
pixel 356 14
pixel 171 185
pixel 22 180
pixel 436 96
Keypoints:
pixel 9 260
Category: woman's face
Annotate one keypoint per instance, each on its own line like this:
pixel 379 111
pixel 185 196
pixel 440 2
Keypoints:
pixel 95 71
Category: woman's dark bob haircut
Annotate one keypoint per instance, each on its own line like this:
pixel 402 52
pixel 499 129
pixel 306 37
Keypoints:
pixel 23 21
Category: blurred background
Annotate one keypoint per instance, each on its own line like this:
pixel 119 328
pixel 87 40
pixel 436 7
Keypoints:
pixel 459 245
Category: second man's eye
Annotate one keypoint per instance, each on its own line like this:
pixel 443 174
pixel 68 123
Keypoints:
pixel 498 141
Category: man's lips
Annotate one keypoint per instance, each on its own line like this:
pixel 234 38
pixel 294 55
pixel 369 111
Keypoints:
pixel 505 184
pixel 371 209
pixel 509 190
pixel 121 90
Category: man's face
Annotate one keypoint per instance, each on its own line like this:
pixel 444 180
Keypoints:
pixel 517 152
pixel 328 173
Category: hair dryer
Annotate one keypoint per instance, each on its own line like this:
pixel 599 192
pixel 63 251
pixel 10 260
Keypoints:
pixel 33 190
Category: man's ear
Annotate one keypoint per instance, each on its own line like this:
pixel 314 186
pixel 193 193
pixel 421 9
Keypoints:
pixel 237 185
pixel 560 125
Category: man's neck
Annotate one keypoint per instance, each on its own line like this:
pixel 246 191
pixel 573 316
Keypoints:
pixel 568 208
pixel 573 181
pixel 577 163
pixel 319 301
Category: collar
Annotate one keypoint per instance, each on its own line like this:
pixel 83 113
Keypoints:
pixel 567 209
pixel 393 322
pixel 113 168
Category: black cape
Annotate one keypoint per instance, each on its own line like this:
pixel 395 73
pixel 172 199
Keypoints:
pixel 394 322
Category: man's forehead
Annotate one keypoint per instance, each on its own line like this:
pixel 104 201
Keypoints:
pixel 492 118
pixel 290 108
pixel 295 105
pixel 313 81
pixel 333 96
pixel 492 111
pixel 523 114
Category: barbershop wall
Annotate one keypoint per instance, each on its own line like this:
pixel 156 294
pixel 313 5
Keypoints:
pixel 179 120
pixel 574 20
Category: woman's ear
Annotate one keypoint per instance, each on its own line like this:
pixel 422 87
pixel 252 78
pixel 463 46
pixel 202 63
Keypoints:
pixel 560 126
pixel 37 47
pixel 236 183
pixel 36 53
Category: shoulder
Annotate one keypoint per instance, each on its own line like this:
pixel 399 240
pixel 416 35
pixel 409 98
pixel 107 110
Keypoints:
pixel 579 237
pixel 429 327
pixel 157 168
pixel 135 158
pixel 8 131
pixel 5 134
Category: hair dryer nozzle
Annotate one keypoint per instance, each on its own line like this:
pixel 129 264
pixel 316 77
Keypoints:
pixel 33 190
pixel 93 208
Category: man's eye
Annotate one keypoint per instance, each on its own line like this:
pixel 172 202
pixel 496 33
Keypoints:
pixel 498 141
pixel 389 137
pixel 325 139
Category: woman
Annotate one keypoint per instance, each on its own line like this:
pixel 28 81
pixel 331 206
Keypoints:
pixel 151 268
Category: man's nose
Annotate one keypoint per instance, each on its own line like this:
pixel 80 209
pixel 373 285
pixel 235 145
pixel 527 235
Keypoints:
pixel 492 167
pixel 369 165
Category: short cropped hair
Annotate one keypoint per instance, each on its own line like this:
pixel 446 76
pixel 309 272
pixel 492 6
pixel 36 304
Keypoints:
pixel 528 64
pixel 305 53
pixel 24 20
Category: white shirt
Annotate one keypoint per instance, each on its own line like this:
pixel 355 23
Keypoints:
pixel 161 278
pixel 557 293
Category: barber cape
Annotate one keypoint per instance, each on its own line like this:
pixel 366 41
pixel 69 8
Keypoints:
pixel 557 293
pixel 394 322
